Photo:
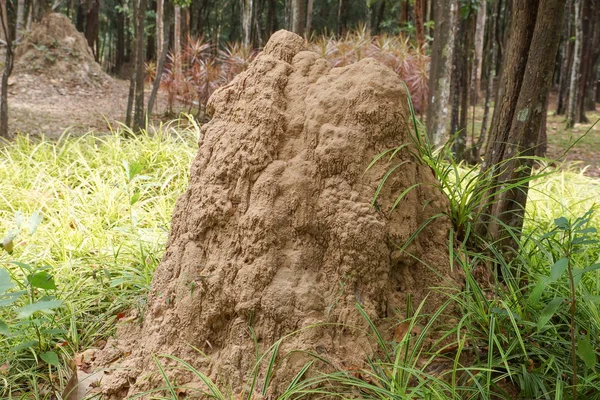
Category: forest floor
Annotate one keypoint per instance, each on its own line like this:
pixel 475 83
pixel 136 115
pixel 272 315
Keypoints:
pixel 50 108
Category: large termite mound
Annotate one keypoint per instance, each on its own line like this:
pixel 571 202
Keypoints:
pixel 55 52
pixel 276 231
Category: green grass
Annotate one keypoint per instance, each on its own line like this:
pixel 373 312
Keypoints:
pixel 106 203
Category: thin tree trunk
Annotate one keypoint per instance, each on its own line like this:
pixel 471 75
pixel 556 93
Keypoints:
pixel 340 27
pixel 478 58
pixel 419 23
pixel 309 13
pixel 160 5
pixel 441 70
pixel 177 32
pixel 20 18
pixel 160 69
pixel 586 61
pixel 8 67
pixel 575 69
pixel 246 14
pixel 566 62
pixel 380 15
pixel 132 79
pixel 298 16
pixel 139 117
pixel 491 76
pixel 271 17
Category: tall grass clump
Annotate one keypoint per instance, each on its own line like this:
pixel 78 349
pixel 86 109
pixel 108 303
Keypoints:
pixel 101 209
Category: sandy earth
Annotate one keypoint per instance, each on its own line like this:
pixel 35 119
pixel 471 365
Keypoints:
pixel 47 108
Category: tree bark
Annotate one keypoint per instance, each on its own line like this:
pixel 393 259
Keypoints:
pixel 160 68
pixel 298 16
pixel 526 81
pixel 309 13
pixel 419 23
pixel 8 67
pixel 92 27
pixel 586 61
pixel 160 5
pixel 566 62
pixel 575 69
pixel 272 24
pixel 139 117
pixel 441 70
pixel 177 32
pixel 246 15
pixel 478 55
pixel 20 19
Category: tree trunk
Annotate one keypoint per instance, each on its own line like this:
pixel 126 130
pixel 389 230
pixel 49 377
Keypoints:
pixel 20 19
pixel 575 69
pixel 160 4
pixel 491 76
pixel 272 24
pixel 403 12
pixel 380 15
pixel 160 67
pixel 441 70
pixel 478 56
pixel 139 121
pixel 298 16
pixel 92 27
pixel 8 67
pixel 340 16
pixel 526 80
pixel 586 61
pixel 177 32
pixel 309 12
pixel 246 14
pixel 120 50
pixel 419 23
pixel 566 62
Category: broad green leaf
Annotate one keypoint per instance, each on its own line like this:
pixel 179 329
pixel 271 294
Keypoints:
pixel 40 306
pixel 8 243
pixel 5 281
pixel 549 311
pixel 34 221
pixel 561 223
pixel 50 357
pixel 577 275
pixel 10 298
pixel 558 268
pixel 586 352
pixel 4 328
pixel 42 280
pixel 538 290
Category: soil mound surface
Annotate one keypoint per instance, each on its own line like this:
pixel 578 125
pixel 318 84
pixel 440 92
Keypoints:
pixel 277 233
pixel 55 52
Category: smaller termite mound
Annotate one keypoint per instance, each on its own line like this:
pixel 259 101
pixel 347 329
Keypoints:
pixel 54 51
pixel 277 232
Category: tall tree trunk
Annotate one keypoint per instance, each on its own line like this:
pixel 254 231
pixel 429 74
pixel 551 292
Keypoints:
pixel 403 12
pixel 340 17
pixel 160 67
pixel 92 27
pixel 491 76
pixel 246 14
pixel 177 32
pixel 526 80
pixel 309 13
pixel 299 16
pixel 160 6
pixel 120 48
pixel 566 62
pixel 478 56
pixel 419 23
pixel 139 120
pixel 272 24
pixel 575 69
pixel 8 67
pixel 20 19
pixel 586 61
pixel 441 70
